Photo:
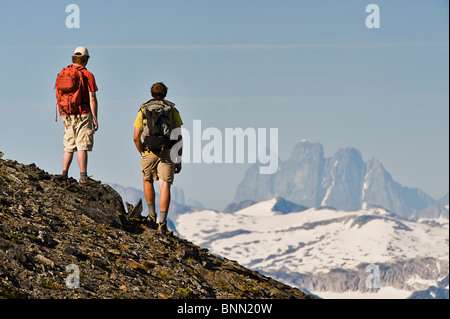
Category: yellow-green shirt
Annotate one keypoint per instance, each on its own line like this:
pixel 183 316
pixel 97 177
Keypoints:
pixel 174 121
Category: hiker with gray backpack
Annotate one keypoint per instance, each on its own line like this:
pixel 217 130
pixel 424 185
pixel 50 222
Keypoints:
pixel 156 120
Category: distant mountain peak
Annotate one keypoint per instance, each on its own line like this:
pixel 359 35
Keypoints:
pixel 263 208
pixel 304 148
pixel 343 181
pixel 274 206
pixel 285 207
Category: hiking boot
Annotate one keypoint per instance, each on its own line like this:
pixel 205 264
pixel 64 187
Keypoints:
pixel 162 228
pixel 86 180
pixel 152 222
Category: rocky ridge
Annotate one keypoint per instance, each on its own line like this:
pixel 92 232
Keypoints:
pixel 52 229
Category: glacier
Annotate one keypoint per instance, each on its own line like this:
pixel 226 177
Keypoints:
pixel 325 251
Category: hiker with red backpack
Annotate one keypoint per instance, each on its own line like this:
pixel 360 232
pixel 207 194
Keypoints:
pixel 77 102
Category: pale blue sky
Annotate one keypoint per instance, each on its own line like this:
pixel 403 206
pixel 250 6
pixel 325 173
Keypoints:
pixel 309 68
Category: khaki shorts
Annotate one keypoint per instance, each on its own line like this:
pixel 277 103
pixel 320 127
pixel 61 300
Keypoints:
pixel 156 166
pixel 78 133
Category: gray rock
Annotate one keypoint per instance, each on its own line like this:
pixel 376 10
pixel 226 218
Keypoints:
pixel 136 210
pixel 44 260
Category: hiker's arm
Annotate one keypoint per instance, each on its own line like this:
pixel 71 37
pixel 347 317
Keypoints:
pixel 137 139
pixel 94 105
pixel 180 137
pixel 180 153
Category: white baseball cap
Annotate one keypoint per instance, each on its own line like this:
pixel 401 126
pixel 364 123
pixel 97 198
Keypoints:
pixel 81 51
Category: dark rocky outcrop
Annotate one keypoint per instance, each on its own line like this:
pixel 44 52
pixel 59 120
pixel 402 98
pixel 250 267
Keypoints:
pixel 50 228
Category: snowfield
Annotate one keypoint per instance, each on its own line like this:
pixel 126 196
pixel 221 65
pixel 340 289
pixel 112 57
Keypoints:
pixel 315 240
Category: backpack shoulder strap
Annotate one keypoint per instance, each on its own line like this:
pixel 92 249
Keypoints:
pixel 143 106
pixel 155 104
pixel 78 67
pixel 169 103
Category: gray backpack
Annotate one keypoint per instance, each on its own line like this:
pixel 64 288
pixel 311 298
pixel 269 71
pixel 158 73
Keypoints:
pixel 155 125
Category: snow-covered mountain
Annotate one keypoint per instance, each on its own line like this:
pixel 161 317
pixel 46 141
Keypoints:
pixel 343 181
pixel 330 253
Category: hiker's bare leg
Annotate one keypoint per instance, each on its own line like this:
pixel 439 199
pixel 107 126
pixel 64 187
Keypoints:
pixel 164 202
pixel 67 159
pixel 149 192
pixel 164 197
pixel 82 158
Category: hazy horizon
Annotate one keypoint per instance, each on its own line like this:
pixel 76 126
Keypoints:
pixel 311 69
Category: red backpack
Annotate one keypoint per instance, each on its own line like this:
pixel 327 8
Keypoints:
pixel 69 83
